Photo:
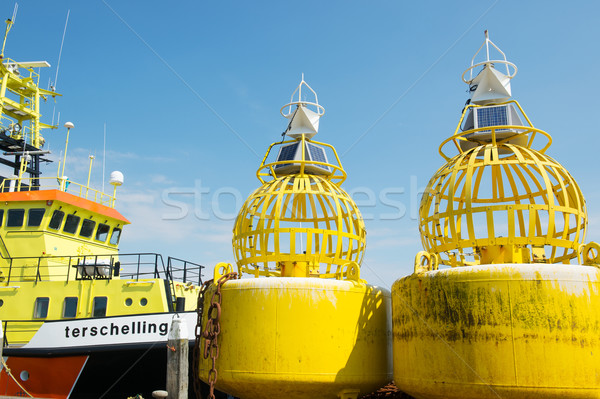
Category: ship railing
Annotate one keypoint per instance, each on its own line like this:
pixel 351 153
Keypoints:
pixel 134 266
pixel 152 265
pixel 52 183
pixel 31 74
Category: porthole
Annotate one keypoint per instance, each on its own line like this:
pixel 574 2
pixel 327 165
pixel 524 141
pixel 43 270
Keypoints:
pixel 1 302
pixel 24 375
pixel 128 302
pixel 143 301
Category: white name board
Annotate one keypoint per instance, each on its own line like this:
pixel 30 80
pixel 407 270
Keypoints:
pixel 141 328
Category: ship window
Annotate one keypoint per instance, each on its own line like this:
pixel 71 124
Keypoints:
pixel 87 228
pixel 35 216
pixel 71 224
pixel 56 220
pixel 15 217
pixel 1 215
pixel 99 306
pixel 102 233
pixel 70 307
pixel 40 310
pixel 116 234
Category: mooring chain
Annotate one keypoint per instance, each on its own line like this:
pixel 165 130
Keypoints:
pixel 212 330
pixel 198 333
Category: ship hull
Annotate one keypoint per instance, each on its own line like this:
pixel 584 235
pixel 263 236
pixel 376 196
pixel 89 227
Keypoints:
pixel 510 331
pixel 79 369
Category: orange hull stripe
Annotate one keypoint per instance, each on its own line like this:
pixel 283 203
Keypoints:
pixel 48 377
pixel 57 195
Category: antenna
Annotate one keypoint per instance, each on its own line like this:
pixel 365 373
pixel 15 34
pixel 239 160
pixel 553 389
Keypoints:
pixel 104 157
pixel 60 52
pixel 9 24
pixel 69 126
pixel 304 121
pixel 53 87
pixel 14 17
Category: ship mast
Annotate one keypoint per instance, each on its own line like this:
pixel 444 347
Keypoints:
pixel 20 125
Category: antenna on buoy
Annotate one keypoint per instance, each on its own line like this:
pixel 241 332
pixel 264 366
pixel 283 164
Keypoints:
pixel 304 119
pixel 489 85
pixel 302 127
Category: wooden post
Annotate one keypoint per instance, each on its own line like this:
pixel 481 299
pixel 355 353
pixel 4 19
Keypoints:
pixel 177 360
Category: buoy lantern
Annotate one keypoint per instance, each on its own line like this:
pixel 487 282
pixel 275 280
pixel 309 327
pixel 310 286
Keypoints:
pixel 303 323
pixel 504 301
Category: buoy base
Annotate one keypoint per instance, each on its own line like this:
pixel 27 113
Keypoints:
pixel 301 337
pixel 489 331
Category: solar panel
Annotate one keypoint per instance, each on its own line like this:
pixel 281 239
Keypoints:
pixel 492 116
pixel 287 153
pixel 317 154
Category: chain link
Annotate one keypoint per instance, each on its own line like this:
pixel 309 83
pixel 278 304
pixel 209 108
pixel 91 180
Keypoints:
pixel 198 333
pixel 211 332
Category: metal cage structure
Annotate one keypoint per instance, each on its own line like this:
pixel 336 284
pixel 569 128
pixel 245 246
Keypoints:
pixel 502 203
pixel 303 220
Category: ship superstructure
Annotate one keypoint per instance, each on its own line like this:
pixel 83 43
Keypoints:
pixel 77 315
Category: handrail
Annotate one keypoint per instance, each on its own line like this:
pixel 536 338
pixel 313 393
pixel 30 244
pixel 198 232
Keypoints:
pixel 61 184
pixel 103 266
pixel 267 170
pixel 523 131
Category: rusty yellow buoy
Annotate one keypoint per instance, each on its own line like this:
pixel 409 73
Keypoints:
pixel 303 323
pixel 505 298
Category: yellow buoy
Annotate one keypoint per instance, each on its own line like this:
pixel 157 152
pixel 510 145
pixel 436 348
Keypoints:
pixel 306 324
pixel 512 317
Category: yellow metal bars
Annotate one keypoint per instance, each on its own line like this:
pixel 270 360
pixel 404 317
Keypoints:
pixel 298 218
pixel 502 203
pixel 267 171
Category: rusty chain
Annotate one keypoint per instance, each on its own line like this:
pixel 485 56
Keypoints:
pixel 198 333
pixel 211 331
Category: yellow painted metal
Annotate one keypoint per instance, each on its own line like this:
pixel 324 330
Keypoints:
pixel 301 337
pixel 301 222
pixel 306 325
pixel 490 331
pixel 20 102
pixel 24 244
pixel 18 299
pixel 52 183
pixel 9 24
pixel 268 171
pixel 512 317
pixel 502 203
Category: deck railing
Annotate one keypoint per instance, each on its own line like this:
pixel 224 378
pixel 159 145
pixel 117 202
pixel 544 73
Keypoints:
pixel 104 267
pixel 52 183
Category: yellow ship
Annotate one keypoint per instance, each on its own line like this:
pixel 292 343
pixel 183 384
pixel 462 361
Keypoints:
pixel 504 301
pixel 79 318
pixel 303 323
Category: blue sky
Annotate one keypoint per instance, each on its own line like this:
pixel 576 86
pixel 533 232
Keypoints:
pixel 190 93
